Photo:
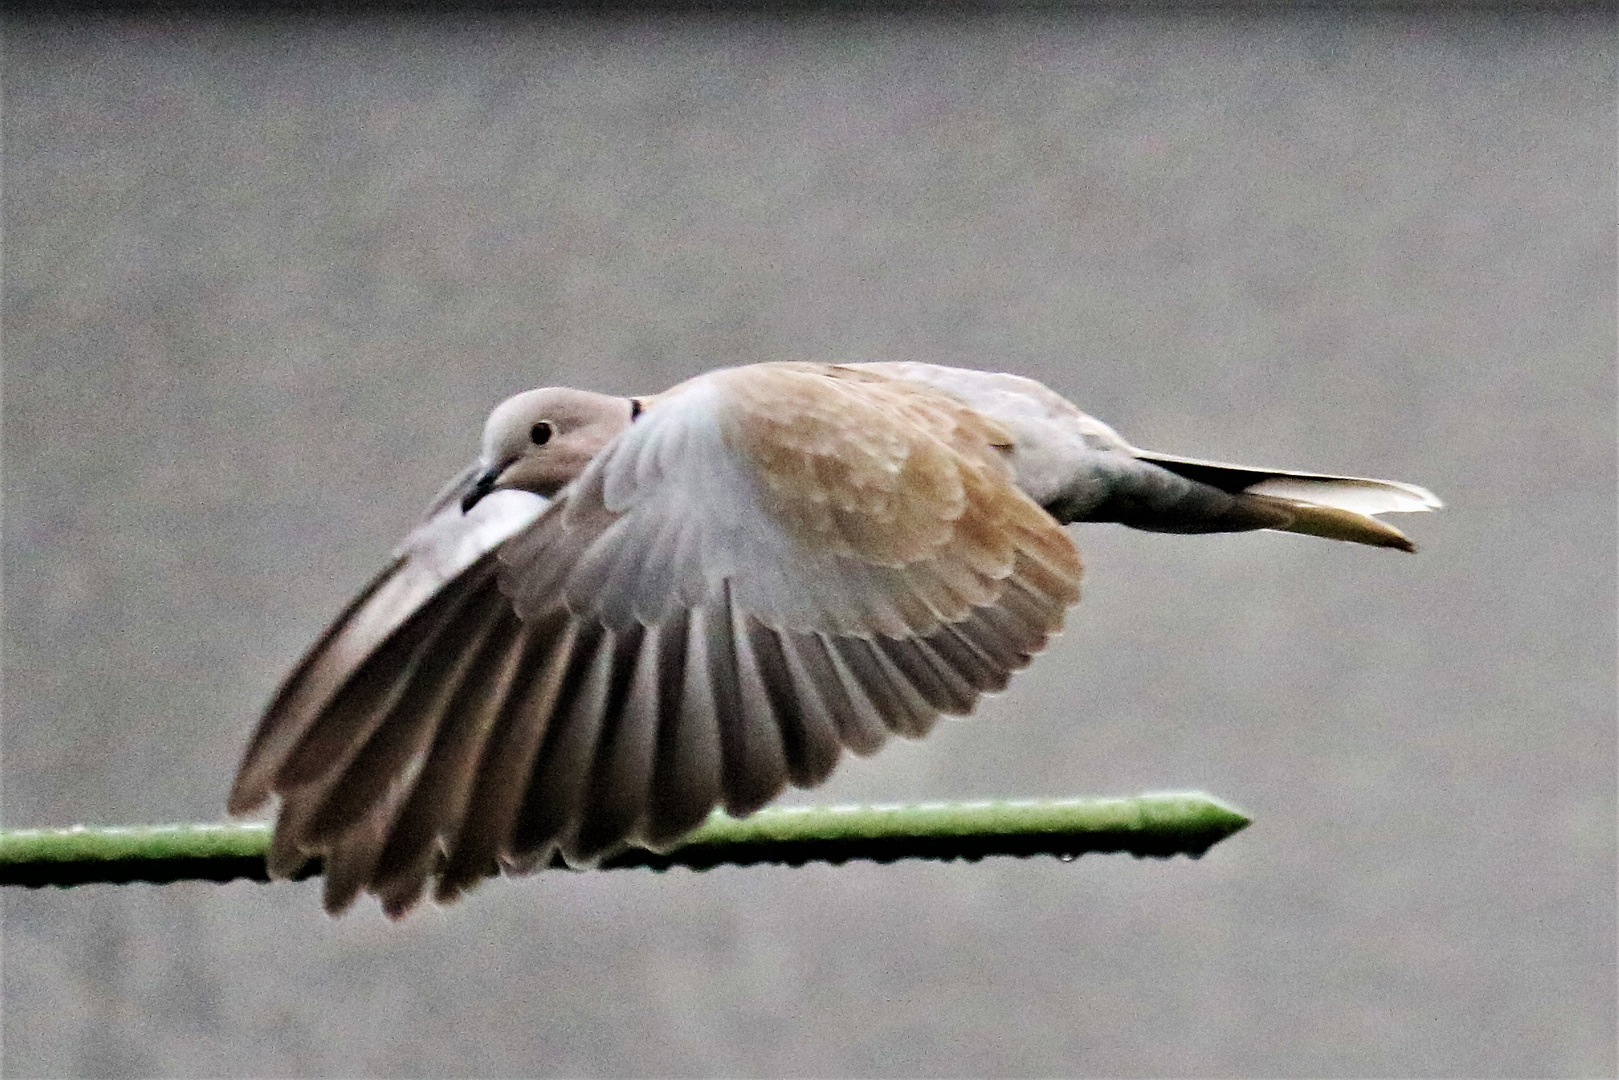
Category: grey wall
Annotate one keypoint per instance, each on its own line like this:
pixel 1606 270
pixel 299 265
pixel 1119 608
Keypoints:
pixel 263 280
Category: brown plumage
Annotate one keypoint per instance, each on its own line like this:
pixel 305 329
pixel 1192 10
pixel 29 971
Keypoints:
pixel 617 669
pixel 732 583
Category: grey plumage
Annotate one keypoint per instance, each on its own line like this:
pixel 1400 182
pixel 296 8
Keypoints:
pixel 771 565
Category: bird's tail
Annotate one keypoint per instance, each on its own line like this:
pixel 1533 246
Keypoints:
pixel 1332 522
pixel 1315 504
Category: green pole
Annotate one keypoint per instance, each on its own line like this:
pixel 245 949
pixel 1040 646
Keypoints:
pixel 1159 825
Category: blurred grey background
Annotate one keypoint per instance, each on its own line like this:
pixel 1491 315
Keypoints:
pixel 263 280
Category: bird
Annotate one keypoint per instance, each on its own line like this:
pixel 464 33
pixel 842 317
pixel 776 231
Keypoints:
pixel 631 611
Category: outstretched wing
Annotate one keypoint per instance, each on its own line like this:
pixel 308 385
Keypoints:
pixel 773 563
pixel 431 557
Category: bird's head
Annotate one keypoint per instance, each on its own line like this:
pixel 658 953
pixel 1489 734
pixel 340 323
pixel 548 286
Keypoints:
pixel 540 440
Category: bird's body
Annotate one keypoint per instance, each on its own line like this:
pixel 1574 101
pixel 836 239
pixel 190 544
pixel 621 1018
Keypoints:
pixel 630 612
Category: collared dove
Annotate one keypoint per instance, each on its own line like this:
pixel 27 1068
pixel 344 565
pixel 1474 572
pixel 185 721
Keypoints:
pixel 631 611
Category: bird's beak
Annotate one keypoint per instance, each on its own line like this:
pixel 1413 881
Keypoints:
pixel 480 487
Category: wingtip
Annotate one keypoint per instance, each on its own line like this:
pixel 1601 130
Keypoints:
pixel 338 895
pixel 245 797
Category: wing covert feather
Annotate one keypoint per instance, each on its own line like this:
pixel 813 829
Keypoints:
pixel 772 564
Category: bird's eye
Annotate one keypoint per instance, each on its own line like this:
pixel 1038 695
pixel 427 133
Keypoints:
pixel 540 433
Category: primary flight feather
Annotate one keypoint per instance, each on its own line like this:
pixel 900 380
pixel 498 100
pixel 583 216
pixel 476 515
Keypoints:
pixel 631 611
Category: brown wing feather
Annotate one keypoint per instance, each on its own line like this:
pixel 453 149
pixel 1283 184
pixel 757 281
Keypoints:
pixel 545 701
